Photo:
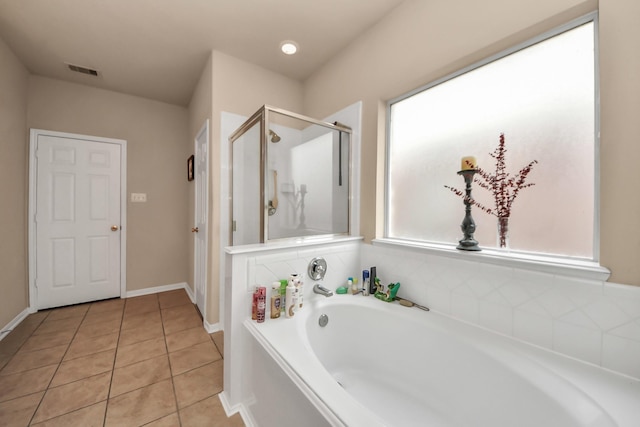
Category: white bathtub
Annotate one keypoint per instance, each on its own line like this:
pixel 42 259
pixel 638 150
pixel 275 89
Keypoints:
pixel 382 364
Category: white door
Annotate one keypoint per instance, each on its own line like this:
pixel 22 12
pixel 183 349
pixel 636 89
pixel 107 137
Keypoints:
pixel 77 220
pixel 201 165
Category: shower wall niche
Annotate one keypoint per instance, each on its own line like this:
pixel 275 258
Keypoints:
pixel 291 177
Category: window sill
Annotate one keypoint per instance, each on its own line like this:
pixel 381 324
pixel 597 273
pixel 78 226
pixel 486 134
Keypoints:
pixel 582 269
pixel 292 243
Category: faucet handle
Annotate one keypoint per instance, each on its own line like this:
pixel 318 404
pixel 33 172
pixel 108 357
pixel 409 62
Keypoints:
pixel 317 268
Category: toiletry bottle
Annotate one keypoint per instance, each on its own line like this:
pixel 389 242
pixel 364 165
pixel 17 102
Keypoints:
pixel 296 297
pixel 290 299
pixel 354 285
pixel 262 303
pixel 294 280
pixel 350 285
pixel 283 296
pixel 372 281
pixel 300 293
pixel 365 282
pixel 254 305
pixel 275 300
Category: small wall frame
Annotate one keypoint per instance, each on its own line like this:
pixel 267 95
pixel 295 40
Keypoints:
pixel 190 168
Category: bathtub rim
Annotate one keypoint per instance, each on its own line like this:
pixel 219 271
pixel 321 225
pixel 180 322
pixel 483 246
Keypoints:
pixel 338 407
pixel 617 394
pixel 293 375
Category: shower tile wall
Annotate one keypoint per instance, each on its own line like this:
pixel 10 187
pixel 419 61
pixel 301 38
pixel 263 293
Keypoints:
pixel 589 320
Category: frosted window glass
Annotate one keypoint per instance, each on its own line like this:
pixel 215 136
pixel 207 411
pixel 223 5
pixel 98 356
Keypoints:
pixel 542 99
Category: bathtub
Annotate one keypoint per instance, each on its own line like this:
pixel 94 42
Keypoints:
pixel 383 364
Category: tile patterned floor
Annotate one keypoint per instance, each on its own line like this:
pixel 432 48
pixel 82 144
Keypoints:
pixel 140 361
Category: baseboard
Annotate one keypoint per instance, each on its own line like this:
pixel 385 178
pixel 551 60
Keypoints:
pixel 225 404
pixel 13 323
pixel 158 289
pixel 190 293
pixel 138 292
pixel 246 417
pixel 211 328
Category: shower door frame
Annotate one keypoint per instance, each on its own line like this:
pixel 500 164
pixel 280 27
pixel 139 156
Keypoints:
pixel 262 116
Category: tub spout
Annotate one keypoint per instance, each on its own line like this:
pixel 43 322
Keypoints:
pixel 321 290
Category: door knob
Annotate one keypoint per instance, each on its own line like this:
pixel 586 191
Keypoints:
pixel 114 228
pixel 194 230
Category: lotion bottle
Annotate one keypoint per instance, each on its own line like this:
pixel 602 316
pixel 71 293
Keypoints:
pixel 290 299
pixel 262 303
pixel 294 280
pixel 300 294
pixel 275 300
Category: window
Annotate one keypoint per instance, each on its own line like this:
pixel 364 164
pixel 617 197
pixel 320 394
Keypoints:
pixel 543 98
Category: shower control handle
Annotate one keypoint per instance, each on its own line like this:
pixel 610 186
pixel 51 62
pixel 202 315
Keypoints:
pixel 317 268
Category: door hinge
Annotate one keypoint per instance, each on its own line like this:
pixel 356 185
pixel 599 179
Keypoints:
pixel 233 225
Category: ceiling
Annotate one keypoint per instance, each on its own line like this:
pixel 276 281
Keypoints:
pixel 158 48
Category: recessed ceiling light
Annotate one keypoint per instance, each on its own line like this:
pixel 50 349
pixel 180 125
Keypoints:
pixel 288 47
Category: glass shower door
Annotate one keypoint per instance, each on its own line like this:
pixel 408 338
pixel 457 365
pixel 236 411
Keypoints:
pixel 246 188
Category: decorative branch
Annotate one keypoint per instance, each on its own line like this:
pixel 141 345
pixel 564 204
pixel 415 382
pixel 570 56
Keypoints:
pixel 504 187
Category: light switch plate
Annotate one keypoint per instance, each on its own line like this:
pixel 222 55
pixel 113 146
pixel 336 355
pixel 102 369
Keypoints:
pixel 138 197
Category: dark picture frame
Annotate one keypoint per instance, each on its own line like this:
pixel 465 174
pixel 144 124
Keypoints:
pixel 190 168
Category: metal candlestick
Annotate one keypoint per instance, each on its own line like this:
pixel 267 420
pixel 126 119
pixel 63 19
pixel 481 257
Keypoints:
pixel 468 226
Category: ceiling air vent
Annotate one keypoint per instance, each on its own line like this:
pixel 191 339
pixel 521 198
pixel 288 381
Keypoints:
pixel 83 70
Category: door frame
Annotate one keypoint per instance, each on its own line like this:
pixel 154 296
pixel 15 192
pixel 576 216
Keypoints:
pixel 204 130
pixel 33 168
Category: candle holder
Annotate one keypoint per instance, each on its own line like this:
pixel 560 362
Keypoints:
pixel 468 226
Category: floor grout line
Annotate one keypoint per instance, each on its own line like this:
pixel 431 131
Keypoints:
pixel 95 318
pixel 46 390
pixel 173 384
pixel 113 366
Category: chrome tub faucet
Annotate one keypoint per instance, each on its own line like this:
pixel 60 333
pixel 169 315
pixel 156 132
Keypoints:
pixel 321 290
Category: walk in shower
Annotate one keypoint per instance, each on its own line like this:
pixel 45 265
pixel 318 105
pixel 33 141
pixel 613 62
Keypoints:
pixel 291 177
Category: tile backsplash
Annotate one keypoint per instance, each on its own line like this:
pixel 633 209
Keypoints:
pixel 342 261
pixel 597 322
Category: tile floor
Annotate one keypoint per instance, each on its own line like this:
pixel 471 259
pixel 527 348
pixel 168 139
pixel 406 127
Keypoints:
pixel 141 361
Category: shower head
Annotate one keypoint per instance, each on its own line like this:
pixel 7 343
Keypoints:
pixel 274 136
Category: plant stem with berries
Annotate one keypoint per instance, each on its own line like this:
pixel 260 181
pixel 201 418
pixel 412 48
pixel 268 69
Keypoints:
pixel 503 186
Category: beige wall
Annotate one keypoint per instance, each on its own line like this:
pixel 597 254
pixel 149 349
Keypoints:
pixel 13 186
pixel 619 144
pixel 415 44
pixel 157 231
pixel 241 88
pixel 422 41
